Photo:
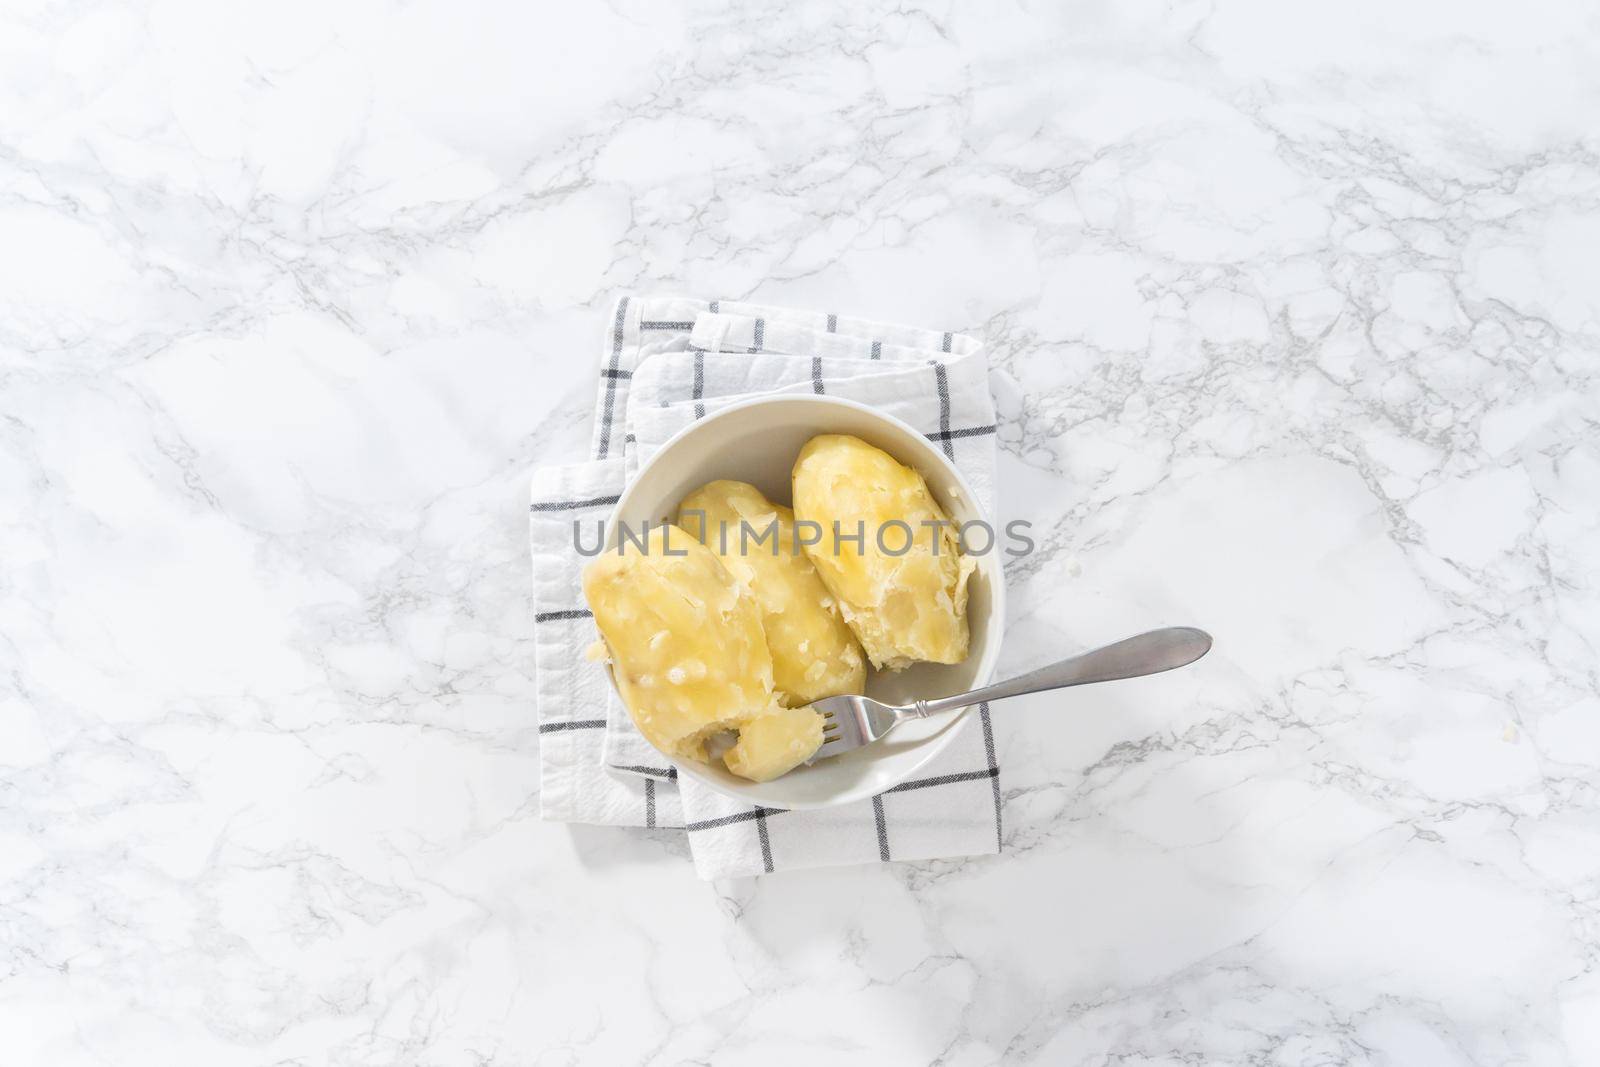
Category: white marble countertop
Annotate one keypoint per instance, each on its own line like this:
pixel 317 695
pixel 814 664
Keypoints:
pixel 1300 308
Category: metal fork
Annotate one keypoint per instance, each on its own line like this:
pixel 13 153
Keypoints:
pixel 852 721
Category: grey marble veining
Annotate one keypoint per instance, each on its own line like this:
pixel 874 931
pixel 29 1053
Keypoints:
pixel 1296 315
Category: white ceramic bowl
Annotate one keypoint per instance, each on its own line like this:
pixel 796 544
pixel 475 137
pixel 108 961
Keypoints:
pixel 758 442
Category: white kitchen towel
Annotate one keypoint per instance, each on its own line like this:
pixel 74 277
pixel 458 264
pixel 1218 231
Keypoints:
pixel 666 363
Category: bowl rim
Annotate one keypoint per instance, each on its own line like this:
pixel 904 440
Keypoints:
pixel 984 672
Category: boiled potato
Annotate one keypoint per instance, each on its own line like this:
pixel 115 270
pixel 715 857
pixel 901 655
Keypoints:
pixel 688 651
pixel 770 745
pixel 814 654
pixel 903 608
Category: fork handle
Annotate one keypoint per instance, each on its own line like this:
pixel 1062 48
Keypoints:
pixel 1132 657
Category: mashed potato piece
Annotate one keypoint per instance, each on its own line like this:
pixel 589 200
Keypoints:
pixel 688 651
pixel 814 654
pixel 775 744
pixel 903 608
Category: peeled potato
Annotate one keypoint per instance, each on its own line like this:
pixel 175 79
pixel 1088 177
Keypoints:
pixel 903 608
pixel 688 651
pixel 814 654
pixel 775 744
